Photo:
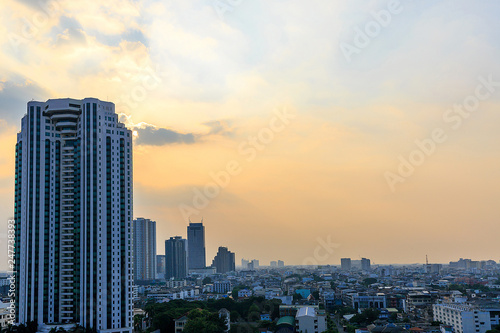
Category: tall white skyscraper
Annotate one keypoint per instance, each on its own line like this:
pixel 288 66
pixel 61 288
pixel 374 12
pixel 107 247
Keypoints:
pixel 144 249
pixel 73 212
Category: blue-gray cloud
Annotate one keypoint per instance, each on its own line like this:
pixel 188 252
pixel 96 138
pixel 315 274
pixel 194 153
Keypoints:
pixel 68 32
pixel 131 35
pixel 15 94
pixel 218 127
pixel 150 135
pixel 153 136
pixel 32 3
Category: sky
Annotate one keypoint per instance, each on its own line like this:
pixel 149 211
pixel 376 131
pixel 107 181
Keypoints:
pixel 305 131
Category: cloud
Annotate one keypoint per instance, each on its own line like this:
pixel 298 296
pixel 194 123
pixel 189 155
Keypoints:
pixel 15 94
pixel 219 127
pixel 69 32
pixel 151 135
pixel 31 3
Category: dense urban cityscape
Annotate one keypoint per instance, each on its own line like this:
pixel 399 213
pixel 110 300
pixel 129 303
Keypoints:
pixel 75 247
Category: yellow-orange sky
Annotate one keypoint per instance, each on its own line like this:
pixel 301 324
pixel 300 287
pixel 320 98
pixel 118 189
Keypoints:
pixel 197 85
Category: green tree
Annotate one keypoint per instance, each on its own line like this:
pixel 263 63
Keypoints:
pixel 138 322
pixel 269 325
pixel 12 328
pixel 206 280
pixel 368 316
pixel 369 281
pixel 243 328
pixel 202 321
pixel 297 297
pixel 234 315
pixel 234 293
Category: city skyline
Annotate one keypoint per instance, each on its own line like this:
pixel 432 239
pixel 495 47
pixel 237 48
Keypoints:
pixel 288 123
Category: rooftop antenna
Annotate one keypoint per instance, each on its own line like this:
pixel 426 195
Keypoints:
pixel 426 260
pixel 202 219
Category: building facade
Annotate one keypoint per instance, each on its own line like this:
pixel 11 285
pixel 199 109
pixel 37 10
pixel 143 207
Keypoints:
pixel 365 264
pixel 224 261
pixel 160 266
pixel 175 258
pixel 308 319
pixel 73 216
pixel 462 317
pixel 345 264
pixel 196 246
pixel 362 301
pixel 144 249
pixel 221 287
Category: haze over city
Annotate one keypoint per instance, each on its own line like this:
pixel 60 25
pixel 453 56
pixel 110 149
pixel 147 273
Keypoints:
pixel 302 130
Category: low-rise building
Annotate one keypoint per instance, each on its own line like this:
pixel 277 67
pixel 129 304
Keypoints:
pixel 463 318
pixel 363 301
pixel 221 287
pixel 180 323
pixel 308 319
pixel 244 293
pixel 418 299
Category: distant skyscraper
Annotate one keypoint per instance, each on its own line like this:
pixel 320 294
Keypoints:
pixel 144 249
pixel 160 266
pixel 345 264
pixel 273 264
pixel 244 263
pixel 196 245
pixel 365 264
pixel 73 213
pixel 175 258
pixel 281 263
pixel 255 264
pixel 224 261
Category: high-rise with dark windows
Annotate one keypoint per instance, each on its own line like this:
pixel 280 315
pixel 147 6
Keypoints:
pixel 175 258
pixel 224 261
pixel 144 249
pixel 345 264
pixel 73 214
pixel 196 245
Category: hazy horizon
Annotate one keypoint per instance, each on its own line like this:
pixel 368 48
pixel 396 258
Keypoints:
pixel 313 131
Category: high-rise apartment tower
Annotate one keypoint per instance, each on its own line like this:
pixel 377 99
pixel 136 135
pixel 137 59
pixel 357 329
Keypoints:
pixel 144 249
pixel 73 215
pixel 196 245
